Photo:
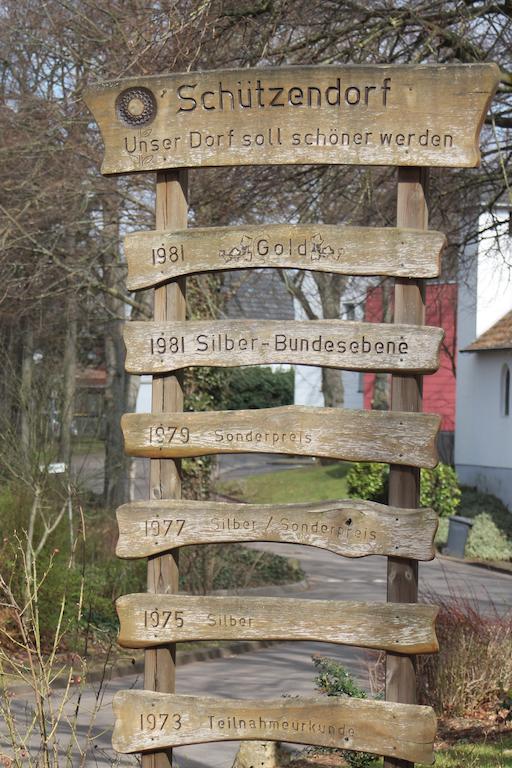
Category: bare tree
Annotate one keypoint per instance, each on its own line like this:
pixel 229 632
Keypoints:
pixel 54 257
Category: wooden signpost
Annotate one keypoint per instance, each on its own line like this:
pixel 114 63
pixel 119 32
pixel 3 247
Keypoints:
pixel 148 620
pixel 163 347
pixel 350 528
pixel 424 115
pixel 157 256
pixel 148 721
pixel 398 438
pixel 409 116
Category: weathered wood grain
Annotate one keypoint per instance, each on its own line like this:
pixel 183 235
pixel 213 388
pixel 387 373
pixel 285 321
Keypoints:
pixel 147 721
pixel 404 482
pixel 161 255
pixel 393 437
pixel 148 620
pixel 349 527
pixel 424 115
pixel 171 208
pixel 153 347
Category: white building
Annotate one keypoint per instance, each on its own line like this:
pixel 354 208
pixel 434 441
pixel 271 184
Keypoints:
pixel 308 379
pixel 483 429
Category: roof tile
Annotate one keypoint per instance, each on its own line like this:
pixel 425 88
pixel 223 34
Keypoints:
pixel 498 336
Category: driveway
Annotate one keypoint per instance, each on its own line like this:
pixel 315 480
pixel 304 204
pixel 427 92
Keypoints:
pixel 287 668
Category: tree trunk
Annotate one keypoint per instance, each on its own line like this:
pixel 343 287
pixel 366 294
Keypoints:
pixel 132 391
pixel 116 485
pixel 330 288
pixel 116 489
pixel 26 393
pixel 332 388
pixel 8 381
pixel 69 383
pixel 380 399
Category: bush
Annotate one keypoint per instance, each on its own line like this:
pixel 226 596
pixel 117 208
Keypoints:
pixel 219 566
pixel 257 387
pixel 368 481
pixel 473 668
pixel 439 487
pixel 334 680
pixel 440 490
pixel 36 732
pixel 486 541
pixel 490 538
pixel 93 586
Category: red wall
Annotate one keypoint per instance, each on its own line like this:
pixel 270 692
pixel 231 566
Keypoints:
pixel 438 388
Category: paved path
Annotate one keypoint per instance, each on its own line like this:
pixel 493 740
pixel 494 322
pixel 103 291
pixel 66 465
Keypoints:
pixel 286 668
pixel 88 469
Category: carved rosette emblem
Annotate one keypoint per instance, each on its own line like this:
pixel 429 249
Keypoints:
pixel 136 107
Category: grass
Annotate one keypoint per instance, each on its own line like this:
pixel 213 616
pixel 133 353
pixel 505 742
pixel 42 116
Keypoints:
pixel 316 483
pixel 494 753
pixel 486 754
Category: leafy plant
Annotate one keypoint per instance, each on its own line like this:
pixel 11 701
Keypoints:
pixel 486 541
pixel 490 537
pixel 368 481
pixel 217 566
pixel 257 387
pixel 440 490
pixel 333 679
pixel 439 487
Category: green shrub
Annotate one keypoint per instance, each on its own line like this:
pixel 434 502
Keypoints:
pixel 439 487
pixel 334 680
pixel 440 490
pixel 257 387
pixel 204 568
pixel 442 532
pixel 490 538
pixel 486 541
pixel 104 583
pixel 368 481
pixel 13 510
pixel 475 502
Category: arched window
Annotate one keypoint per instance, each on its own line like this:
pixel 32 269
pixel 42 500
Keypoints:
pixel 505 390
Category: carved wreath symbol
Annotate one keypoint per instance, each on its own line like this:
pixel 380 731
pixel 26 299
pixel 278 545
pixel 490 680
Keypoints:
pixel 136 106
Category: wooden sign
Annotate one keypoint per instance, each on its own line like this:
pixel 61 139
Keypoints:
pixel 392 437
pixel 423 115
pixel 157 256
pixel 161 347
pixel 147 620
pixel 156 721
pixel 351 528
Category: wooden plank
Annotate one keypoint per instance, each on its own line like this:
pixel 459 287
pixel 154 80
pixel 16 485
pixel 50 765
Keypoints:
pixel 406 395
pixel 364 115
pixel 164 474
pixel 399 438
pixel 153 257
pixel 348 527
pixel 146 721
pixel 149 620
pixel 160 347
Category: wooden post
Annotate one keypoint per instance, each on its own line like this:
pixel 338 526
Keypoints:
pixel 165 478
pixel 406 395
